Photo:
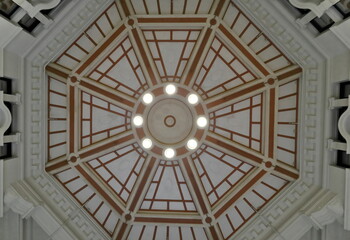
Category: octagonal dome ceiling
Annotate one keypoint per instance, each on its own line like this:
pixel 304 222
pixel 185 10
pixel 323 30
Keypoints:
pixel 247 90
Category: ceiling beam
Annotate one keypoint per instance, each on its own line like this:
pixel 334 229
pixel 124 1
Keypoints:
pixel 114 96
pixel 197 57
pixel 106 145
pixel 99 189
pixel 234 96
pixel 99 50
pixel 253 179
pixel 233 149
pixel 244 51
pixel 142 50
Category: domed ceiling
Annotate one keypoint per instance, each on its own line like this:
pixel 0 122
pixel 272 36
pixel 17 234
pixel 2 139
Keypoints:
pixel 247 90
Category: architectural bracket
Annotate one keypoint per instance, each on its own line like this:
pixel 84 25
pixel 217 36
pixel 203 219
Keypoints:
pixel 344 126
pixel 316 6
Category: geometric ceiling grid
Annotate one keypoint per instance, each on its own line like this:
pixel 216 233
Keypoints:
pixel 241 122
pixel 171 64
pixel 120 169
pixel 168 190
pixel 233 73
pixel 101 119
pixel 120 70
pixel 218 172
pixel 248 90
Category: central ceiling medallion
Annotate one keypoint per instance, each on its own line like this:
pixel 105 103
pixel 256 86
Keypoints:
pixel 170 121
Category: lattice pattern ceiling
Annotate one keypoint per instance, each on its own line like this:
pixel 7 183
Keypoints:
pixel 248 87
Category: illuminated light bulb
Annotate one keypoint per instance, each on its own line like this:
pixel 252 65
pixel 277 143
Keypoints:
pixel 147 143
pixel 138 121
pixel 170 89
pixel 147 98
pixel 192 144
pixel 192 99
pixel 169 153
pixel 202 122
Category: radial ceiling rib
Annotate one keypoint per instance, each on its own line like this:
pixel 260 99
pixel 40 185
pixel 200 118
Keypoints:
pixel 244 51
pixel 144 54
pixel 119 169
pixel 99 188
pixel 115 97
pixel 233 149
pixel 239 192
pixel 142 185
pixel 136 196
pixel 106 145
pixel 101 49
pixel 199 194
pixel 122 229
pixel 235 96
pixel 198 55
pixel 125 7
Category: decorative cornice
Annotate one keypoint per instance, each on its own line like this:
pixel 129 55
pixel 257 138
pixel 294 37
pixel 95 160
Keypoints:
pixel 18 204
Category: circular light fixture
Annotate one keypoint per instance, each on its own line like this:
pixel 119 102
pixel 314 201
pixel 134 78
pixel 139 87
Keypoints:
pixel 147 98
pixel 192 98
pixel 192 144
pixel 169 153
pixel 147 143
pixel 170 89
pixel 202 122
pixel 138 120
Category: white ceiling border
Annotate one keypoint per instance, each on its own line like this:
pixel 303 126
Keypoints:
pixel 53 202
pixel 288 206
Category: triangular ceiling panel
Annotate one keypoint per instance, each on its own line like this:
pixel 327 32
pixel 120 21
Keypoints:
pixel 101 119
pixel 241 122
pixel 221 71
pixel 162 43
pixel 168 190
pixel 121 70
pixel 218 172
pixel 120 169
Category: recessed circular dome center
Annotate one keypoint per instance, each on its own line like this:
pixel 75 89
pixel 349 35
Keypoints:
pixel 170 121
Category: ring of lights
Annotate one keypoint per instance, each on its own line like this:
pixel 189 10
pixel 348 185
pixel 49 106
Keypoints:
pixel 170 121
